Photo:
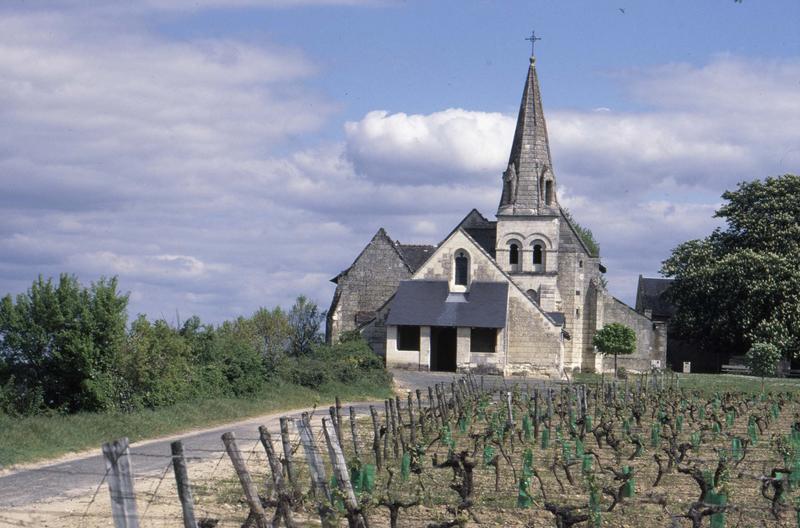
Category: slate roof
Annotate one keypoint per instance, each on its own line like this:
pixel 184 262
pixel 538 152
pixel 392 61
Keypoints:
pixel 558 317
pixel 426 303
pixel 486 237
pixel 650 296
pixel 482 230
pixel 415 255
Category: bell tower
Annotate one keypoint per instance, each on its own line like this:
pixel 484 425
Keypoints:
pixel 528 217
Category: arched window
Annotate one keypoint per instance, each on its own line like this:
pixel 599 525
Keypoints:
pixel 538 256
pixel 462 269
pixel 513 254
pixel 548 192
pixel 534 295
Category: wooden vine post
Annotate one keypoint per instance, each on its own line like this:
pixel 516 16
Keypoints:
pixel 284 508
pixel 182 482
pixel 250 491
pixel 316 466
pixel 120 483
pixel 355 517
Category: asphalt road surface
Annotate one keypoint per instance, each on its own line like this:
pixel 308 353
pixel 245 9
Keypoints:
pixel 50 481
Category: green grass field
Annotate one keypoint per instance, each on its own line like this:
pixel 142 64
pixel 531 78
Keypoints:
pixel 711 383
pixel 35 438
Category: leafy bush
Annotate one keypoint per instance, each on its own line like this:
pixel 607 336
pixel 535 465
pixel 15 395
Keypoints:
pixel 65 348
pixel 622 373
pixel 344 362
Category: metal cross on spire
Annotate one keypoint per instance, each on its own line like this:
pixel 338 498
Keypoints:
pixel 532 39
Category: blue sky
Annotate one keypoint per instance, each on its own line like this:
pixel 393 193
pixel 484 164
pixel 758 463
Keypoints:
pixel 223 155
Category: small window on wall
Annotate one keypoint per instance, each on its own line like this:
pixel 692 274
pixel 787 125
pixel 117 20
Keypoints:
pixel 534 295
pixel 407 338
pixel 462 268
pixel 538 257
pixel 483 340
pixel 513 254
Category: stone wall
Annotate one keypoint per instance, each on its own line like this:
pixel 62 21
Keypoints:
pixel 366 286
pixel 650 337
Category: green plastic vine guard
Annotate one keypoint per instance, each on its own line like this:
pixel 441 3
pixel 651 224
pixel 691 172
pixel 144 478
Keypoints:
pixel 729 418
pixel 586 465
pixel 446 435
pixel 336 496
pixel 405 466
pixel 695 438
pixel 355 478
pixel 655 435
pixel 524 498
pixel 736 448
pixel 715 428
pixel 368 478
pixel 488 455
pixel 752 432
pixel 717 499
pixel 795 437
pixel 629 490
pixel 526 428
pixel 709 477
pixel 527 462
pixel 594 509
pixel 566 451
pixel 545 438
pixel 797 511
pixel 794 476
pixel 588 421
pixel 578 448
pixel 702 413
pixel 679 423
pixel 462 425
pixel 776 411
pixel 626 426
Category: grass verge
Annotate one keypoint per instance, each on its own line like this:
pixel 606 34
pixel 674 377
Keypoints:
pixel 711 383
pixel 33 438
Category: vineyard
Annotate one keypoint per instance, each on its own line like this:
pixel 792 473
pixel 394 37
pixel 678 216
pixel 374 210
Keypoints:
pixel 626 453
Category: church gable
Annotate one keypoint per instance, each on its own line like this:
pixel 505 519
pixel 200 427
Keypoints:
pixel 366 285
pixel 482 268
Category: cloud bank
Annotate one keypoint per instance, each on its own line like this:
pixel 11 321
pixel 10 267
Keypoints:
pixel 189 168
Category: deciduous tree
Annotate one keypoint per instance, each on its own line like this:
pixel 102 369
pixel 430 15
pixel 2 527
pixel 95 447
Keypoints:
pixel 615 338
pixel 741 284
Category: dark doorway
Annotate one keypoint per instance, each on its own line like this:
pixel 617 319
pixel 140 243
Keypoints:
pixel 443 349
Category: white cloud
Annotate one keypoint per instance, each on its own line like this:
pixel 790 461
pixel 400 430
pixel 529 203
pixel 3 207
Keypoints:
pixel 451 145
pixel 174 164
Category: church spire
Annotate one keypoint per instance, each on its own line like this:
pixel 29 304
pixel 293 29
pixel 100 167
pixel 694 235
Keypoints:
pixel 529 182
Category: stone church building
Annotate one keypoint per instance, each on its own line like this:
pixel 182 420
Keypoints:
pixel 519 294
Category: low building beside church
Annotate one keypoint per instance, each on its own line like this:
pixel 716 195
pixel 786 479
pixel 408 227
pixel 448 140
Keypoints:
pixel 519 294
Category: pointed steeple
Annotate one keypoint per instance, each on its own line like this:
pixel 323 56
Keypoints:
pixel 529 182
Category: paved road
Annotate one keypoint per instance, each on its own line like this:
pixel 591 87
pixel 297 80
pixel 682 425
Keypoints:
pixel 66 478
